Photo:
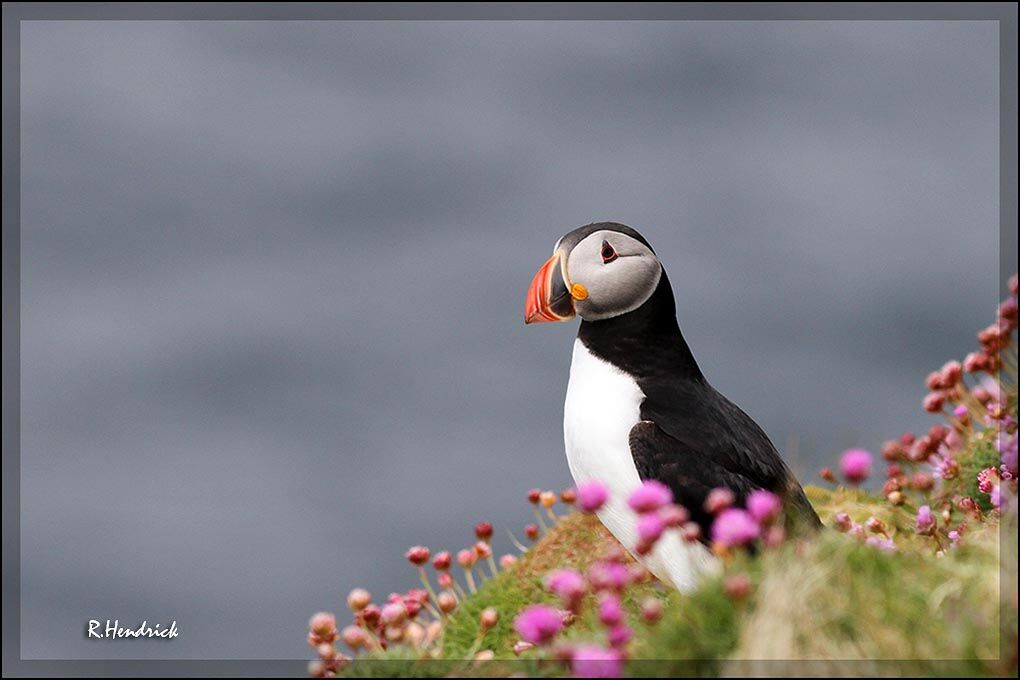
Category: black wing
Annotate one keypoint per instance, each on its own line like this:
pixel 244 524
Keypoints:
pixel 712 443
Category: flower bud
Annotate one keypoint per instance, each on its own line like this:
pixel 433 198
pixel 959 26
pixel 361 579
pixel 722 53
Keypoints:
pixel 737 586
pixel 531 531
pixel 393 613
pixel 547 499
pixel 466 558
pixel 354 637
pixel 719 499
pixel 358 599
pixel 674 515
pixel 483 531
pixel 591 496
pixel 446 602
pixel 370 615
pixel 442 561
pixel 417 555
pixel 414 633
pixel 651 610
pixel 521 646
pixel 855 465
pixel 488 619
pixel 323 624
pixel 691 532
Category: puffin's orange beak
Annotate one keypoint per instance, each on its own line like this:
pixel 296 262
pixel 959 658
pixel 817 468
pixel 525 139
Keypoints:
pixel 549 298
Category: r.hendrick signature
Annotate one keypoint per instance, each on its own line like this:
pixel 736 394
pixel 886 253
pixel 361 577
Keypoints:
pixel 114 631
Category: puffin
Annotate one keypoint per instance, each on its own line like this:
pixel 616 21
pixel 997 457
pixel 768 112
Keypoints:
pixel 638 406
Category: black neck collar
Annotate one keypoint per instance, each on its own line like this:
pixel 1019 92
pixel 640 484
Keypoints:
pixel 645 343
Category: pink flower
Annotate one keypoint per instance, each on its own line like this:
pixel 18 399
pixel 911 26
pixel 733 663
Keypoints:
pixel 591 496
pixel 764 506
pixel 619 636
pixel 987 479
pixel 417 555
pixel 925 521
pixel 358 599
pixel 883 544
pixel 323 624
pixel 734 527
pixel 856 465
pixel 507 561
pixel 610 610
pixel 483 530
pixel 718 500
pixel 934 402
pixel 442 561
pixel 608 576
pixel 354 637
pixel 566 584
pixel 466 558
pixel 737 586
pixel 843 522
pixel 650 527
pixel 591 661
pixel 394 613
pixel 538 624
pixel 674 515
pixel 650 496
pixel 651 610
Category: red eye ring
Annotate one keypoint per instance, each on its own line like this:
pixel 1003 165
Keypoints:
pixel 608 252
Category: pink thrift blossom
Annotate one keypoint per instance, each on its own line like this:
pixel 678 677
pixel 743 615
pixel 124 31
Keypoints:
pixel 417 555
pixel 856 465
pixel 538 624
pixel 608 576
pixel 650 527
pixel 674 515
pixel 566 584
pixel 883 544
pixel 591 496
pixel 718 499
pixel 610 610
pixel 619 636
pixel 650 496
pixel 925 520
pixel 734 527
pixel 764 506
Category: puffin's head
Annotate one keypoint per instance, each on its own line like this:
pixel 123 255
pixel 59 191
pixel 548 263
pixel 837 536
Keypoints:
pixel 598 271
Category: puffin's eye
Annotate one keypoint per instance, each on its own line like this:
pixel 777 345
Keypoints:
pixel 608 252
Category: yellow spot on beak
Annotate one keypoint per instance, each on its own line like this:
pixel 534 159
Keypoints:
pixel 578 292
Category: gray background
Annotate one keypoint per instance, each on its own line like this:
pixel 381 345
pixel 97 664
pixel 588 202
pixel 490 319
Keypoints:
pixel 273 278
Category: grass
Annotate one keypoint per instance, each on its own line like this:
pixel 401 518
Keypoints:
pixel 844 607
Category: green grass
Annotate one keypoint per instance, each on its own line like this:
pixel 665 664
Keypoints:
pixel 831 601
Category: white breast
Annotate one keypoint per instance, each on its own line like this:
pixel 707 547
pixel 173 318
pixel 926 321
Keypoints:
pixel 603 404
